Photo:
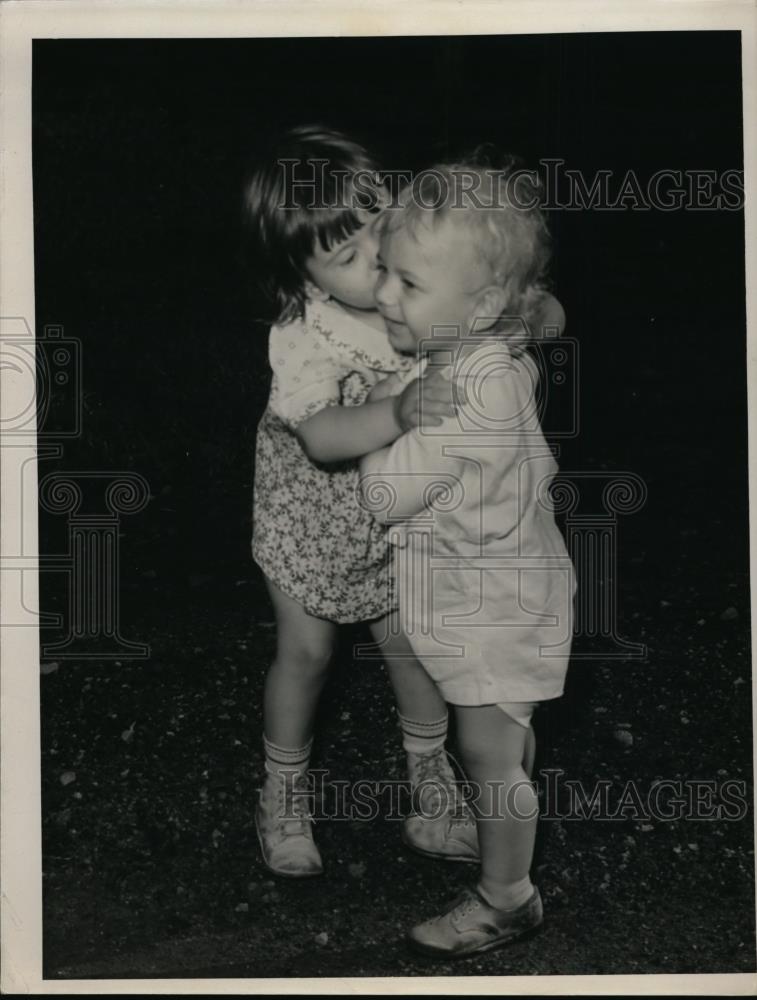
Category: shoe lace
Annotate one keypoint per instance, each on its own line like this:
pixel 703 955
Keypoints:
pixel 466 819
pixel 293 811
pixel 434 774
pixel 468 904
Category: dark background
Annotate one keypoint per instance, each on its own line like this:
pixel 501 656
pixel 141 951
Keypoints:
pixel 140 149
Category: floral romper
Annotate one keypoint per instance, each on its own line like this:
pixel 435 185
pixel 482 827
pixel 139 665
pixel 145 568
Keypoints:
pixel 311 536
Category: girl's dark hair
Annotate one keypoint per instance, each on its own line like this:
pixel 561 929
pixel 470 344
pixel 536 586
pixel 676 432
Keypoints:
pixel 305 187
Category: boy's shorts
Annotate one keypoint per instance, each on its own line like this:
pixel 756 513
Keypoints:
pixel 520 711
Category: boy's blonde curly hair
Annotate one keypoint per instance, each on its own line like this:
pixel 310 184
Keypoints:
pixel 502 205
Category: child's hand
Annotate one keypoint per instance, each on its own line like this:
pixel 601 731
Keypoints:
pixel 425 402
pixel 382 389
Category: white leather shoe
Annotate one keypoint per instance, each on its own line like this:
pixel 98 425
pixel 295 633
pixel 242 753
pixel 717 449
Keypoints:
pixel 441 824
pixel 284 827
pixel 471 926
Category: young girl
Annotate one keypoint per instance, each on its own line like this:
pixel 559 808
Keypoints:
pixel 485 581
pixel 313 207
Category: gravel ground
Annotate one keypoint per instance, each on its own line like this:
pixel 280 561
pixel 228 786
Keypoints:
pixel 150 770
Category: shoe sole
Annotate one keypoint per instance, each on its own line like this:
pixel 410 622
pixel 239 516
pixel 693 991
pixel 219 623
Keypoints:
pixel 439 953
pixel 276 871
pixel 461 858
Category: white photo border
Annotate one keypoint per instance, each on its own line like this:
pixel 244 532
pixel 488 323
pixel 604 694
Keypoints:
pixel 21 21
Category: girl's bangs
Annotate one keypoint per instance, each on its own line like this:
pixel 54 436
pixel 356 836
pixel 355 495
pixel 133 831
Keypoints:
pixel 338 225
pixel 341 220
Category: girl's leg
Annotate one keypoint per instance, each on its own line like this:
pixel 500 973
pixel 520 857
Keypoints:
pixel 416 693
pixel 440 823
pixel 304 647
pixel 493 744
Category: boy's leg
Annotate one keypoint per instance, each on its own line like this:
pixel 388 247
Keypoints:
pixel 505 905
pixel 441 824
pixel 493 746
pixel 304 647
pixel 529 752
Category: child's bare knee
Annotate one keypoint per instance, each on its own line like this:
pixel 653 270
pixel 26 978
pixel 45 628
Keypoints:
pixel 505 758
pixel 311 657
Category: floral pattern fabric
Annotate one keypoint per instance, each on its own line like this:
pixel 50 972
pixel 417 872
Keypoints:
pixel 311 536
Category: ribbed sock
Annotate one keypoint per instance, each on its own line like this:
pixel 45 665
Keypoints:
pixel 280 759
pixel 423 737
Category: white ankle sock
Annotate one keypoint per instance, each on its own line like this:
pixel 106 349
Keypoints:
pixel 509 897
pixel 286 760
pixel 420 737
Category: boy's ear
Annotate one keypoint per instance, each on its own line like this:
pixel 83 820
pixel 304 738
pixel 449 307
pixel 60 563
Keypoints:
pixel 551 314
pixel 489 306
pixel 314 292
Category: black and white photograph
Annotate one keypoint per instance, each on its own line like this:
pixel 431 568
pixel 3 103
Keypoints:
pixel 376 440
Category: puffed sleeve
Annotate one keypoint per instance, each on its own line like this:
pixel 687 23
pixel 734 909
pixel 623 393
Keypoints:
pixel 305 374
